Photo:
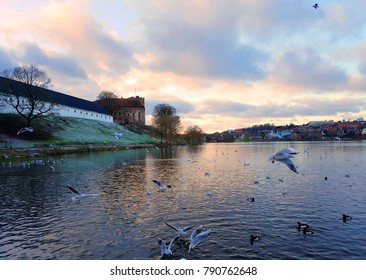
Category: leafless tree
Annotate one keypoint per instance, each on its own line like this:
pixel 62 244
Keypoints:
pixel 106 99
pixel 193 135
pixel 166 122
pixel 106 95
pixel 26 91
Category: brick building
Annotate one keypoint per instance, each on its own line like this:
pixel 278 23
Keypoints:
pixel 125 110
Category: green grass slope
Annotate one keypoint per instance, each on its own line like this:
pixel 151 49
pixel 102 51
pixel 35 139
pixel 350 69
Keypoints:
pixel 64 131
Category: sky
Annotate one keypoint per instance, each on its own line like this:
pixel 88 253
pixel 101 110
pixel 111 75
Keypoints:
pixel 221 64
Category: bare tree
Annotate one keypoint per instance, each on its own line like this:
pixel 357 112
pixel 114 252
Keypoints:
pixel 106 95
pixel 193 135
pixel 166 122
pixel 28 96
pixel 106 99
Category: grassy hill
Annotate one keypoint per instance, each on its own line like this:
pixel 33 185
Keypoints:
pixel 55 131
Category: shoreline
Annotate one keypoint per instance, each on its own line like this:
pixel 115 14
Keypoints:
pixel 62 150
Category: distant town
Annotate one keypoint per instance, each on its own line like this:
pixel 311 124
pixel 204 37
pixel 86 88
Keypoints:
pixel 312 131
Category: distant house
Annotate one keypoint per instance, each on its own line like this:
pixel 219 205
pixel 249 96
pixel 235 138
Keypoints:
pixel 319 123
pixel 65 105
pixel 125 110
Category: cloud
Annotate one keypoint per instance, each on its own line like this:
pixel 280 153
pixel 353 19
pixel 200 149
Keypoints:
pixel 5 60
pixel 306 69
pixel 309 107
pixel 59 63
pixel 184 45
pixel 218 64
pixel 223 107
pixel 181 106
pixel 65 28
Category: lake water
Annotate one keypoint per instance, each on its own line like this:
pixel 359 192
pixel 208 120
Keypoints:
pixel 39 220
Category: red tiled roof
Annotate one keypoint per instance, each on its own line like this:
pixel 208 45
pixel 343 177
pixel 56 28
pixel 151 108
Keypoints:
pixel 122 102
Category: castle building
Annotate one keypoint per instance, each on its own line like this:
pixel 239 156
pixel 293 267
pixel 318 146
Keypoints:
pixel 125 110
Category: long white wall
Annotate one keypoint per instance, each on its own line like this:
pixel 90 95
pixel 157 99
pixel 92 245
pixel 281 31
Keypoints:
pixel 66 111
pixel 63 111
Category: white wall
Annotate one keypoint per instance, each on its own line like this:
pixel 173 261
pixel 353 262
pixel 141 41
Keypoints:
pixel 66 111
pixel 63 111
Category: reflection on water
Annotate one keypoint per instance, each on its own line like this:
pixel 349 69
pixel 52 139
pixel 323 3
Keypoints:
pixel 210 186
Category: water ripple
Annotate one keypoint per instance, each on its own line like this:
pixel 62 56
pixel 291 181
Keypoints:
pixel 38 219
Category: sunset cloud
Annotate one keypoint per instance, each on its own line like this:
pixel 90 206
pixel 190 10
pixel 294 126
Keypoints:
pixel 221 65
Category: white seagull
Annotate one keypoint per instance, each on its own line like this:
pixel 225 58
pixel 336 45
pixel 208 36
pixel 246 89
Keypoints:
pixel 160 186
pixel 117 135
pixel 180 231
pixel 25 129
pixel 197 236
pixel 80 195
pixel 164 249
pixel 284 156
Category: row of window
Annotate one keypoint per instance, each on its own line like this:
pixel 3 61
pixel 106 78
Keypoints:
pixel 86 113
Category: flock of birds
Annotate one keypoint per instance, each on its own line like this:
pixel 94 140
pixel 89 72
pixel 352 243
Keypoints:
pixel 283 156
pixel 198 235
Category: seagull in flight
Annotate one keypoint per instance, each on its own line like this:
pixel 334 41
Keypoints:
pixel 316 6
pixel 164 249
pixel 284 156
pixel 160 186
pixel 117 135
pixel 197 236
pixel 79 195
pixel 25 129
pixel 180 231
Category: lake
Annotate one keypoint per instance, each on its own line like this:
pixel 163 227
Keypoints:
pixel 211 185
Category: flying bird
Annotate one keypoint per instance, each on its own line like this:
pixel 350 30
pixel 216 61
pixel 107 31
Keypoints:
pixel 284 156
pixel 25 129
pixel 197 236
pixel 180 231
pixel 117 135
pixel 79 195
pixel 164 249
pixel 160 186
pixel 315 6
